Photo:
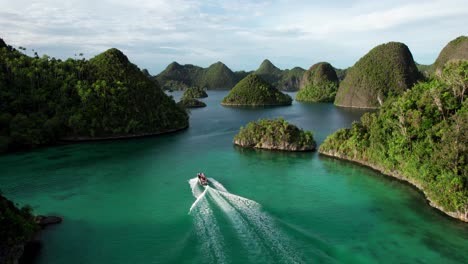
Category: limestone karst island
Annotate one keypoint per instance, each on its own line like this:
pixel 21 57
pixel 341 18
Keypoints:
pixel 233 132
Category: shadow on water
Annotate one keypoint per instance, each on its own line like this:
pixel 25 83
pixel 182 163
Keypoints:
pixel 273 155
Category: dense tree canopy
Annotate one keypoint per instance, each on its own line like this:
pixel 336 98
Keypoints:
pixel 421 135
pixel 194 93
pixel 254 91
pixel 181 77
pixel 319 84
pixel 17 226
pixel 43 99
pixel 275 134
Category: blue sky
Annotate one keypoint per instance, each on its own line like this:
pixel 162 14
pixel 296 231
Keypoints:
pixel 153 33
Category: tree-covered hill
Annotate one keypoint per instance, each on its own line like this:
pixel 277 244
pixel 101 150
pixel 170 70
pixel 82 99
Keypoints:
pixel 254 91
pixel 387 70
pixel 319 84
pixel 420 137
pixel 219 76
pixel 456 49
pixel 275 134
pixel 194 93
pixel 285 80
pixel 43 100
pixel 181 77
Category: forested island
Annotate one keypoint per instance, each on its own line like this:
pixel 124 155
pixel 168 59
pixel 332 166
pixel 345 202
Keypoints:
pixel 181 77
pixel 254 91
pixel 194 92
pixel 420 137
pixel 275 134
pixel 45 100
pixel 190 98
pixel 319 84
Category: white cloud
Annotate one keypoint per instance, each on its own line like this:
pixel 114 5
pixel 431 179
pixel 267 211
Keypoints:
pixel 239 32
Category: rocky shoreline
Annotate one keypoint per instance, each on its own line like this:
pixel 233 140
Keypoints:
pixel 397 175
pixel 84 139
pixel 282 147
pixel 27 251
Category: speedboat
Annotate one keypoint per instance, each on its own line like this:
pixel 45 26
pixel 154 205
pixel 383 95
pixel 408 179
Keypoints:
pixel 202 179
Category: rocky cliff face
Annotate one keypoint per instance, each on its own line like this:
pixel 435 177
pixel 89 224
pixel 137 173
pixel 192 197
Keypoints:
pixel 387 70
pixel 284 146
pixel 456 49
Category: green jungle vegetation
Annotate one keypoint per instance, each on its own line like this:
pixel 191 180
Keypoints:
pixel 191 103
pixel 194 92
pixel 17 226
pixel 456 49
pixel 319 84
pixel 341 73
pixel 254 91
pixel 424 69
pixel 43 99
pixel 219 76
pixel 181 77
pixel 275 133
pixel 421 135
pixel 285 80
pixel 387 70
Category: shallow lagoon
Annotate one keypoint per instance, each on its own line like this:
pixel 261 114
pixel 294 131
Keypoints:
pixel 128 201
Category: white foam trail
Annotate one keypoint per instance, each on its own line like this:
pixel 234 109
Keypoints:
pixel 255 229
pixel 194 187
pixel 217 185
pixel 264 227
pixel 198 199
pixel 211 239
pixel 244 231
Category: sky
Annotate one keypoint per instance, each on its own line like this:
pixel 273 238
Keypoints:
pixel 240 33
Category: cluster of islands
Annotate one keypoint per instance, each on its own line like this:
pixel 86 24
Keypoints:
pixel 418 134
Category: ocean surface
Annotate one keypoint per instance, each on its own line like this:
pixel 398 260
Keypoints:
pixel 137 201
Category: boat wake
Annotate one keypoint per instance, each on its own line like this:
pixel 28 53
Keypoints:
pixel 255 230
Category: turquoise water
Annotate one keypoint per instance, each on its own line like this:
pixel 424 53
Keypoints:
pixel 128 201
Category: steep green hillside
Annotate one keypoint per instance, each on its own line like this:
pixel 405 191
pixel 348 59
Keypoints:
pixel 291 79
pixel 420 137
pixel 43 100
pixel 424 69
pixel 287 80
pixel 181 77
pixel 456 49
pixel 387 70
pixel 319 84
pixel 254 91
pixel 218 76
pixel 269 72
pixel 341 73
